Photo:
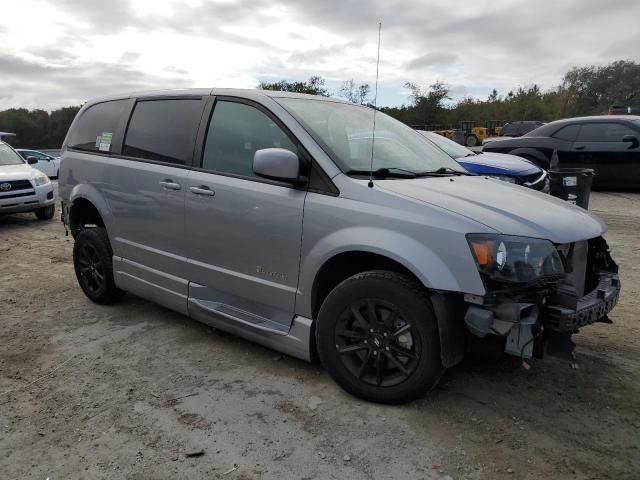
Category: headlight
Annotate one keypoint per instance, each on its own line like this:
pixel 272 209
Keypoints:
pixel 504 178
pixel 41 179
pixel 507 260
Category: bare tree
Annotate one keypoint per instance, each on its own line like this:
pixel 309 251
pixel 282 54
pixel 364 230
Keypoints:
pixel 355 93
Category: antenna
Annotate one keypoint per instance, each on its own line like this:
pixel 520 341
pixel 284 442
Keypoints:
pixel 375 109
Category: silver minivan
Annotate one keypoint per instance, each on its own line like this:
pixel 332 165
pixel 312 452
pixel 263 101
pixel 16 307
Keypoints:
pixel 288 220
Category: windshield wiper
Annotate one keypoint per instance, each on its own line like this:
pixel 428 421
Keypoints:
pixel 385 172
pixel 442 171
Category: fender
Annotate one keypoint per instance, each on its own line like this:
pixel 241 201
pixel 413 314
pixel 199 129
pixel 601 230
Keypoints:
pixel 413 255
pixel 90 193
pixel 541 159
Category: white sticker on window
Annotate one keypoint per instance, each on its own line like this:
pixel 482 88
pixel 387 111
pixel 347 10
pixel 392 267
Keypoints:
pixel 570 181
pixel 105 141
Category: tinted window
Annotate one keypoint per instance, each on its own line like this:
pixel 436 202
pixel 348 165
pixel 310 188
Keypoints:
pixel 510 130
pixel 236 131
pixel 569 133
pixel 604 132
pixel 95 121
pixel 528 127
pixel 163 130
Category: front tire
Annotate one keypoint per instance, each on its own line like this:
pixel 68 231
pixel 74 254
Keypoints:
pixel 92 261
pixel 472 141
pixel 45 213
pixel 378 338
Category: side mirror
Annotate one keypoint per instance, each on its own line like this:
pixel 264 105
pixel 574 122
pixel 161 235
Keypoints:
pixel 32 160
pixel 632 139
pixel 277 164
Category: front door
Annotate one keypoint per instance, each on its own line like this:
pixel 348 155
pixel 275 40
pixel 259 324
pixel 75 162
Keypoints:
pixel 243 231
pixel 600 146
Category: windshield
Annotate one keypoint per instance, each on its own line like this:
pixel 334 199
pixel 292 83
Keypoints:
pixel 345 132
pixel 453 149
pixel 8 156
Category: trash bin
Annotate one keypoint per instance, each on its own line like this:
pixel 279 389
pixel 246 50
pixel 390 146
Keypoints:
pixel 572 185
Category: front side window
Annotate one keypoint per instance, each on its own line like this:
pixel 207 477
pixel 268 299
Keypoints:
pixel 236 131
pixel 604 132
pixel 8 156
pixel 97 122
pixel 345 131
pixel 163 130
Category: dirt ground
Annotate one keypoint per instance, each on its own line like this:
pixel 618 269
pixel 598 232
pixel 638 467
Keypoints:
pixel 137 391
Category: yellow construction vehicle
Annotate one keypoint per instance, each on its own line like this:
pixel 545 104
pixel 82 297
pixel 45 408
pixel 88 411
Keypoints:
pixel 473 136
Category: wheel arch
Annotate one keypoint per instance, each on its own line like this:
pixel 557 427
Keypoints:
pixel 533 153
pixel 345 264
pixel 448 307
pixel 86 207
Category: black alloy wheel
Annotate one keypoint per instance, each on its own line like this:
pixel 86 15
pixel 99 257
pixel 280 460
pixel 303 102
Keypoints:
pixel 376 344
pixel 91 268
pixel 378 337
pixel 93 264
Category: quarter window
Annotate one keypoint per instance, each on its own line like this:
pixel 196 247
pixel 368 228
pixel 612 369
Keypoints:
pixel 236 131
pixel 163 130
pixel 604 132
pixel 94 122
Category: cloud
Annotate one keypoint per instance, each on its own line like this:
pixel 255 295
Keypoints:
pixel 86 48
pixel 61 86
pixel 430 59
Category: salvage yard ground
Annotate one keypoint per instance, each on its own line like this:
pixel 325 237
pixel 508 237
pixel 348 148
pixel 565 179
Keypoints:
pixel 137 391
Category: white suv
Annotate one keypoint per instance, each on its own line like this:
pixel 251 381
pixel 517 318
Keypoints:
pixel 23 188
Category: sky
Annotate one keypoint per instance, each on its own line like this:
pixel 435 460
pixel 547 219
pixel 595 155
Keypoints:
pixel 63 52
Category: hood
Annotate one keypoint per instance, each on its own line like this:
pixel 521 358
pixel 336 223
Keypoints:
pixel 498 164
pixel 506 208
pixel 20 171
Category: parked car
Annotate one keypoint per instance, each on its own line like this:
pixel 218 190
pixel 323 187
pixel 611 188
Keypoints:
pixel 509 168
pixel 23 188
pixel 45 163
pixel 258 212
pixel 514 129
pixel 608 144
pixel 631 109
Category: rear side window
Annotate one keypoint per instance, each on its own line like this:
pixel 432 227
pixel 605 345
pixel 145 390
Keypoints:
pixel 604 132
pixel 236 131
pixel 96 126
pixel 163 130
pixel 569 133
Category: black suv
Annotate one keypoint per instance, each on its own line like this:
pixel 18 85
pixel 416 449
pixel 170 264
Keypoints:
pixel 517 129
pixel 610 144
pixel 625 109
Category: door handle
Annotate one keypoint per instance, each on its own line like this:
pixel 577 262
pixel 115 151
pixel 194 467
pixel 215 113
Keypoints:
pixel 579 147
pixel 170 185
pixel 202 190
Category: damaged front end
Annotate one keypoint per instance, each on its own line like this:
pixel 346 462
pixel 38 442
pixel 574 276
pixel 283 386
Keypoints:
pixel 538 293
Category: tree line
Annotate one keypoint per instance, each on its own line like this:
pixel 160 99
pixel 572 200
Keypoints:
pixel 588 90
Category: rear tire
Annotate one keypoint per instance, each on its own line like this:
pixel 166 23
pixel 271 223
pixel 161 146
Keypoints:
pixel 45 213
pixel 378 338
pixel 472 141
pixel 93 264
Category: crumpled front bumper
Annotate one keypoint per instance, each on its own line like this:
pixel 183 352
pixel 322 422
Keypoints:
pixel 523 320
pixel 591 308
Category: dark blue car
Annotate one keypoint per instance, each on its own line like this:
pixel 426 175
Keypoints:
pixel 509 168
